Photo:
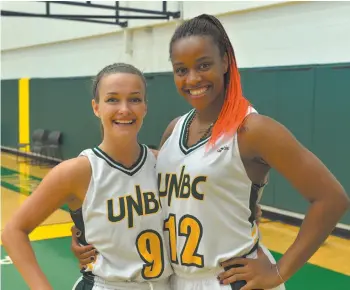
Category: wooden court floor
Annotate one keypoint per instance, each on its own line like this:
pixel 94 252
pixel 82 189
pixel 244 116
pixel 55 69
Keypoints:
pixel 328 269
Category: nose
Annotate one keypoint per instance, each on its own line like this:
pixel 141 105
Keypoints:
pixel 124 108
pixel 193 78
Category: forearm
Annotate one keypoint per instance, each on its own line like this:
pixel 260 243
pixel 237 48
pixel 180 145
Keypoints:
pixel 18 247
pixel 317 225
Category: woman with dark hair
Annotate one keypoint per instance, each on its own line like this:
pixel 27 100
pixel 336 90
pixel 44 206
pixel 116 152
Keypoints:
pixel 214 164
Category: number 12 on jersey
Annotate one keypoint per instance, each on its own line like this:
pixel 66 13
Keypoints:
pixel 150 246
pixel 191 228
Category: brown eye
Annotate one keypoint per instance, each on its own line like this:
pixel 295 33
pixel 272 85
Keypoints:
pixel 181 71
pixel 204 66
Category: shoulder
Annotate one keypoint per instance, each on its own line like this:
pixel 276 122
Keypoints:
pixel 172 125
pixel 169 130
pixel 70 166
pixel 72 171
pixel 265 138
pixel 64 182
pixel 259 126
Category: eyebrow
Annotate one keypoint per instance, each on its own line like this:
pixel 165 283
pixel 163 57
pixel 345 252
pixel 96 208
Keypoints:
pixel 203 58
pixel 116 93
pixel 198 60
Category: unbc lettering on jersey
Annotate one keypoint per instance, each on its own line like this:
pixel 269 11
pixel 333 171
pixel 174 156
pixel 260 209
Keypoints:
pixel 145 203
pixel 183 186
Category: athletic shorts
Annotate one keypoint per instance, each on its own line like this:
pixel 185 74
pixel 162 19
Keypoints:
pixel 98 284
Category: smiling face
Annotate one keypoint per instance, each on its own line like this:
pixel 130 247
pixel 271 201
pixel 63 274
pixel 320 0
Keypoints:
pixel 199 70
pixel 121 104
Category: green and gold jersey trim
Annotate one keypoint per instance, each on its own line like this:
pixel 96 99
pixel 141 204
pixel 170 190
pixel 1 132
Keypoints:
pixel 129 171
pixel 183 138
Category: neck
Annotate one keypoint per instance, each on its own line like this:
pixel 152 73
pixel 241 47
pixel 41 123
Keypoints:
pixel 124 151
pixel 211 113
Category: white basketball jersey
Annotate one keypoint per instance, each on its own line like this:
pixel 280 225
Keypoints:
pixel 205 194
pixel 123 220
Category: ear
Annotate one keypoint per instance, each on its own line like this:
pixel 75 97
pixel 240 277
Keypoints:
pixel 225 63
pixel 95 107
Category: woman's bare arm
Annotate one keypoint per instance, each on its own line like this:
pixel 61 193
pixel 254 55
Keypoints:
pixel 59 186
pixel 271 141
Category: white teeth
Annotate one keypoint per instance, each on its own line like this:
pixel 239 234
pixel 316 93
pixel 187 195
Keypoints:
pixel 123 122
pixel 198 91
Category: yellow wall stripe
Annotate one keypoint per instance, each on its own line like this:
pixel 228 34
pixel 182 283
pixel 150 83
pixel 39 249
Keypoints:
pixel 23 113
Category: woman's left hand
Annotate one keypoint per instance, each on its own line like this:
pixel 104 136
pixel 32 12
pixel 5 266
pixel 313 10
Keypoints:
pixel 259 273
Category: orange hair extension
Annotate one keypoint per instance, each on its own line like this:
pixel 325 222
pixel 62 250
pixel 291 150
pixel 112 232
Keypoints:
pixel 235 106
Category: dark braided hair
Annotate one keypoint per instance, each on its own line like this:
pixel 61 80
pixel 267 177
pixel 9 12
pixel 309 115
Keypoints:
pixel 203 25
pixel 115 68
pixel 235 106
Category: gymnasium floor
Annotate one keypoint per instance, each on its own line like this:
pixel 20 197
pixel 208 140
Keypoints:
pixel 329 269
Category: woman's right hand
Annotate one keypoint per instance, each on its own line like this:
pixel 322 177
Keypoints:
pixel 85 254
